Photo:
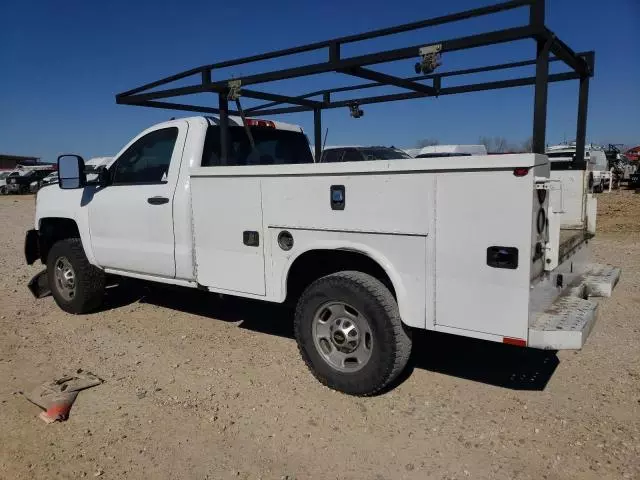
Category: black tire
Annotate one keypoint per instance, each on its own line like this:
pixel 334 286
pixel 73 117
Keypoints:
pixel 391 343
pixel 89 280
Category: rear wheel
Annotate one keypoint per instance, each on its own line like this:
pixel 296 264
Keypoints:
pixel 76 285
pixel 350 334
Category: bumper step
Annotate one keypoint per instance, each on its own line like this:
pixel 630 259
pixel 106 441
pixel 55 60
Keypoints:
pixel 600 280
pixel 566 324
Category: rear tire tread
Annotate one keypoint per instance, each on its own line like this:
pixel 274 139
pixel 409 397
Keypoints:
pixel 370 286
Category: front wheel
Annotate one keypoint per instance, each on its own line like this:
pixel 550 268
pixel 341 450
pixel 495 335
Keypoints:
pixel 76 285
pixel 349 333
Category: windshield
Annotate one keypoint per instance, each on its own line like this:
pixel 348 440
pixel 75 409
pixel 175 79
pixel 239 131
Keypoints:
pixel 4 175
pixel 382 153
pixel 272 147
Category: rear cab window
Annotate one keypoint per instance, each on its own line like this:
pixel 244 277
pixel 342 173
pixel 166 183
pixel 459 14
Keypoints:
pixel 272 147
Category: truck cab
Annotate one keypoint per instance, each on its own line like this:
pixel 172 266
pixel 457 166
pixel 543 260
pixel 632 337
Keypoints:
pixel 129 227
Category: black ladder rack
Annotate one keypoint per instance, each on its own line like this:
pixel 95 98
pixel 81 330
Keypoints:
pixel 547 44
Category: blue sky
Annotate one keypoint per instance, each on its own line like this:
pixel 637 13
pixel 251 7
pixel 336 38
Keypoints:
pixel 61 64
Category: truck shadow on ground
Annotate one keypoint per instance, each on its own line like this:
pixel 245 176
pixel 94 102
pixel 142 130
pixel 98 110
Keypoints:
pixel 481 361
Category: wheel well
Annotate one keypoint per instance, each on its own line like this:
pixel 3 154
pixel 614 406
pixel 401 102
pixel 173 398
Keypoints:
pixel 314 264
pixel 53 230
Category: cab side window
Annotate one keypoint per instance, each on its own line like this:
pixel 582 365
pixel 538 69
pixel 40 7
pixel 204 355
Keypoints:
pixel 147 160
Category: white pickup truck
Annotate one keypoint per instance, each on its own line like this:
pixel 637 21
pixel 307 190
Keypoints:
pixel 367 250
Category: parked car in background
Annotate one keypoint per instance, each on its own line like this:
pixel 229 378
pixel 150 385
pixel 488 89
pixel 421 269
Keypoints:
pixel 20 179
pixel 433 151
pixel 50 179
pixel 623 169
pixel 3 181
pixel 360 154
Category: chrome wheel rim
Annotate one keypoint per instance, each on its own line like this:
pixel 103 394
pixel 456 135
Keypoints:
pixel 65 278
pixel 342 336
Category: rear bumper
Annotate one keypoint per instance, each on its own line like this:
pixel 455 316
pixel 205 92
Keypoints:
pixel 563 307
pixel 32 246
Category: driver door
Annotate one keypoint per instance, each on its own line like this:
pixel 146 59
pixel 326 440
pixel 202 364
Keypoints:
pixel 131 220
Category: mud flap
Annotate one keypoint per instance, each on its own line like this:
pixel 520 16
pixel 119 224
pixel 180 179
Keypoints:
pixel 39 285
pixel 32 246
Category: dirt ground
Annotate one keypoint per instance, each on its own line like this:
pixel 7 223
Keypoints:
pixel 208 388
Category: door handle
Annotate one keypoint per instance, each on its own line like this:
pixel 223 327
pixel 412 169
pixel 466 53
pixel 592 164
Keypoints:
pixel 157 200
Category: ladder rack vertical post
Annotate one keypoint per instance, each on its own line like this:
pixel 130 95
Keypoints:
pixel 224 127
pixel 581 130
pixel 536 20
pixel 540 101
pixel 317 133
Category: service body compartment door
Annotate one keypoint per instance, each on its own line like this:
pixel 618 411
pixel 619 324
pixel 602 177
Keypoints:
pixel 229 241
pixel 479 213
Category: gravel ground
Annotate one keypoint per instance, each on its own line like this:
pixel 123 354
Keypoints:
pixel 202 387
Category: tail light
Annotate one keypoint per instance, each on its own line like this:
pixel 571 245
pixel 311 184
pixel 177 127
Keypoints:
pixel 521 171
pixel 518 342
pixel 251 122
